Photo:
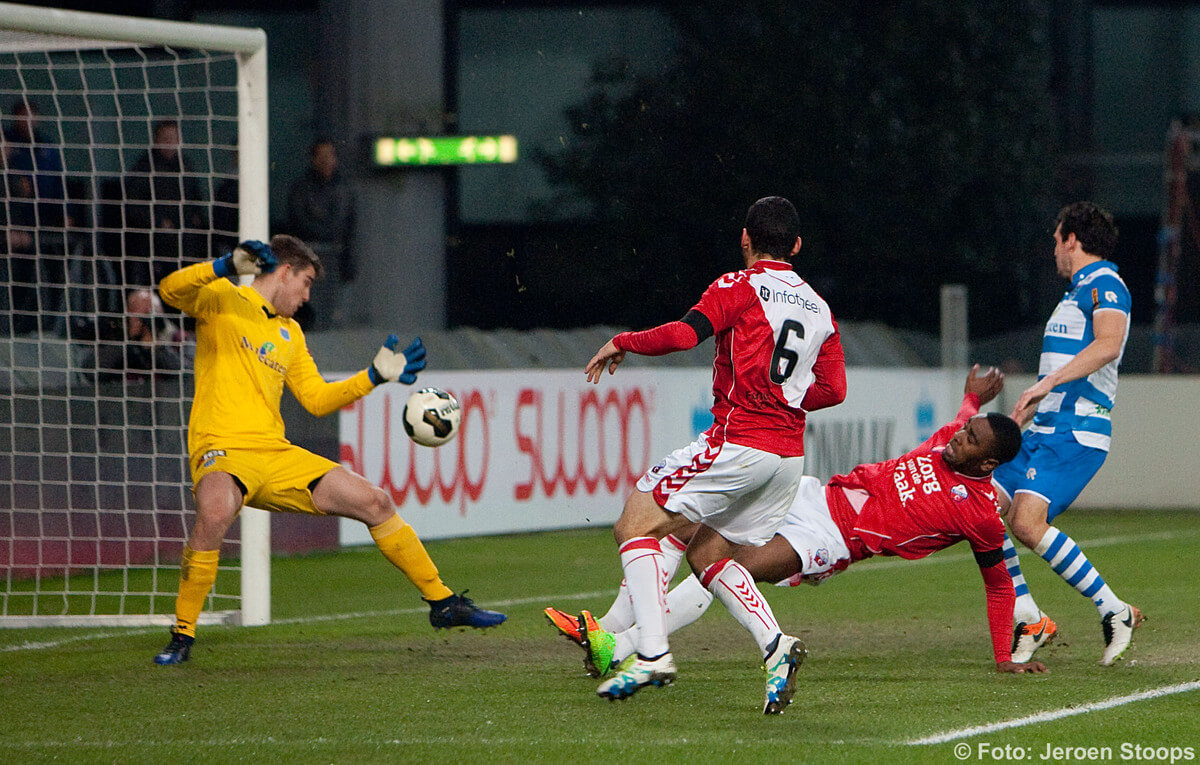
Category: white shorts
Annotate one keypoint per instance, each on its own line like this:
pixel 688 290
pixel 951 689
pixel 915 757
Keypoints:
pixel 809 529
pixel 740 492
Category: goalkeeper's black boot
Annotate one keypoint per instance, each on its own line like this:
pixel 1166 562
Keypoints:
pixel 460 611
pixel 177 651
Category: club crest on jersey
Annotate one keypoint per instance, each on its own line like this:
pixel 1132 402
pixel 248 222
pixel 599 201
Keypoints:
pixel 820 557
pixel 283 332
pixel 959 491
pixel 1031 474
pixel 209 458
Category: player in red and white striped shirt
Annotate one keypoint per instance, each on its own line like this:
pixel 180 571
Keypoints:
pixel 778 356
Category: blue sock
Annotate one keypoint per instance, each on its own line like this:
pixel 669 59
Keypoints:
pixel 1069 562
pixel 1025 610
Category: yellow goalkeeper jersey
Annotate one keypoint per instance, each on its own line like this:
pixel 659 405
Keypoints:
pixel 245 353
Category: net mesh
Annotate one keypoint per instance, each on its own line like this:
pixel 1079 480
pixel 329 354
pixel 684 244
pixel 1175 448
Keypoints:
pixel 95 376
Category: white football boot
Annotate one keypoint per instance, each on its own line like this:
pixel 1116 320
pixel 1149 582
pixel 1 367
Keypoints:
pixel 781 665
pixel 637 675
pixel 1118 628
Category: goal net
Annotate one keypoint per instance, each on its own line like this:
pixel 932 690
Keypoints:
pixel 127 146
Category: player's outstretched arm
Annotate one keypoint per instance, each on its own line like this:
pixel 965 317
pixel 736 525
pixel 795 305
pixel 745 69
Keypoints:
pixel 987 385
pixel 998 588
pixel 1109 328
pixel 320 397
pixel 391 365
pixel 609 355
pixel 673 336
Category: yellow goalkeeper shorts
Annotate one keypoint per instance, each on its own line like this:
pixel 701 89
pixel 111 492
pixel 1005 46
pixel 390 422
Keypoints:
pixel 274 479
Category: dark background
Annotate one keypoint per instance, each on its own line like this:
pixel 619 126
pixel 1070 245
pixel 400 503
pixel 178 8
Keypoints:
pixel 923 142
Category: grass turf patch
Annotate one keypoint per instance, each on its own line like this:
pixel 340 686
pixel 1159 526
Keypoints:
pixel 899 650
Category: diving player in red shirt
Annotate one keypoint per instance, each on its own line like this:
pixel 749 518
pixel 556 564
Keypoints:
pixel 934 496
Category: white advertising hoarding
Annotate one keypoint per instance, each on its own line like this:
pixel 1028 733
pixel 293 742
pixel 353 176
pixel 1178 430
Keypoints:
pixel 543 449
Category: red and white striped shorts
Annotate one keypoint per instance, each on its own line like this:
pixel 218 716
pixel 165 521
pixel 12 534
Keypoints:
pixel 738 491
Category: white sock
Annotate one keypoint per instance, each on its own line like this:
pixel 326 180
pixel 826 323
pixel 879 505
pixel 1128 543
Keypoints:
pixel 686 602
pixel 1069 562
pixel 732 584
pixel 1025 610
pixel 620 614
pixel 641 558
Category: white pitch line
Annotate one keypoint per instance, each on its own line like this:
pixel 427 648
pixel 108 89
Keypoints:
pixel 421 609
pixel 44 644
pixel 39 645
pixel 874 564
pixel 1056 714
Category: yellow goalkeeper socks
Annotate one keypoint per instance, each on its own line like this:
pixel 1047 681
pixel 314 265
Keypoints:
pixel 399 544
pixel 197 572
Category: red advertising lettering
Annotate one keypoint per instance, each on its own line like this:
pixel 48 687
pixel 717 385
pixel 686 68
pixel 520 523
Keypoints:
pixel 449 482
pixel 551 468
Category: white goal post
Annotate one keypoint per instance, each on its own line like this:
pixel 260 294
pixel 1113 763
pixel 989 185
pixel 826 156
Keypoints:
pixel 94 483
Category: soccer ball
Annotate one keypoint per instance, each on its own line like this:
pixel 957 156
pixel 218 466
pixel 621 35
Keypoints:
pixel 431 416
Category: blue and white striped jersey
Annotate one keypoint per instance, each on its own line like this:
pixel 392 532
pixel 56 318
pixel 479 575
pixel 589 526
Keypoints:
pixel 1082 407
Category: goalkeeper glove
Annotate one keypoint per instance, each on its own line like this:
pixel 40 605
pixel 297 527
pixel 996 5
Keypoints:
pixel 391 365
pixel 248 258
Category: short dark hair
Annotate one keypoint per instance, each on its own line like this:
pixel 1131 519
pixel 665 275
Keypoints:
pixel 1092 226
pixel 288 249
pixel 1006 437
pixel 773 226
pixel 321 141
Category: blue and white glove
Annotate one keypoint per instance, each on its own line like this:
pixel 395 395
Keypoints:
pixel 249 258
pixel 391 365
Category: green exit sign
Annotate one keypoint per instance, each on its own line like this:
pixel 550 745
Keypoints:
pixel 445 150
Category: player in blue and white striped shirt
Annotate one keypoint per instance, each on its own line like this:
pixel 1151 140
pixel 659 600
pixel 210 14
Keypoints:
pixel 1072 427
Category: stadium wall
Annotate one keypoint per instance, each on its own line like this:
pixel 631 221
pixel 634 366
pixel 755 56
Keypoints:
pixel 560 453
pixel 544 450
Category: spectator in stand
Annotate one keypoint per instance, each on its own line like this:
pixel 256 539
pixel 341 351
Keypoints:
pixel 33 153
pixel 152 344
pixel 35 220
pixel 321 211
pixel 166 211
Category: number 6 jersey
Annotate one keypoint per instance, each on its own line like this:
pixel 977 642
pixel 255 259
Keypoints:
pixel 778 356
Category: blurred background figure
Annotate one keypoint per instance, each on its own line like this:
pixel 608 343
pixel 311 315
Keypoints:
pixel 163 196
pixel 35 220
pixel 321 212
pixel 150 345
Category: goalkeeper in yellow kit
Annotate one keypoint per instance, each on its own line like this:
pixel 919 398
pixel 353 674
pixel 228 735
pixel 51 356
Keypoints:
pixel 248 347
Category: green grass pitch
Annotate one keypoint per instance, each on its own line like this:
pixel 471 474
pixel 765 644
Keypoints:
pixel 352 672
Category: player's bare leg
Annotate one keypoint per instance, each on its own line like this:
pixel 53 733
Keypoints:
pixel 619 616
pixel 615 635
pixel 349 495
pixel 773 562
pixel 218 501
pixel 642 523
pixel 710 555
pixel 1027 519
